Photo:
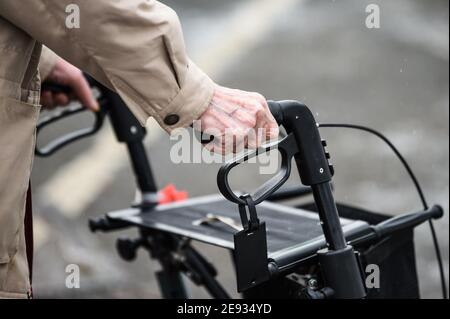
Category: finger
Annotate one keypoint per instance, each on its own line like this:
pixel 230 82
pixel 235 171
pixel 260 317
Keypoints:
pixel 47 99
pixel 255 138
pixel 272 131
pixel 215 147
pixel 235 140
pixel 254 107
pixel 268 123
pixel 83 92
pixel 240 144
pixel 267 132
pixel 261 99
pixel 209 147
pixel 245 118
pixel 61 99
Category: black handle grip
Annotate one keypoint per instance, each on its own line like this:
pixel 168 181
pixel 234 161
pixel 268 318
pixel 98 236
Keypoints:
pixel 287 148
pixel 55 88
pixel 303 143
pixel 55 145
pixel 276 110
pixel 59 88
pixel 407 221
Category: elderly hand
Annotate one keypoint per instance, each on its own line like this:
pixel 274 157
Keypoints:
pixel 237 120
pixel 66 74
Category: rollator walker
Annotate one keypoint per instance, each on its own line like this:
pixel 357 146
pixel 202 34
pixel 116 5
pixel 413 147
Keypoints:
pixel 318 250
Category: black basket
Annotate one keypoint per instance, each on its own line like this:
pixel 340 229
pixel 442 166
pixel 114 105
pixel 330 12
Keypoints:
pixel 394 255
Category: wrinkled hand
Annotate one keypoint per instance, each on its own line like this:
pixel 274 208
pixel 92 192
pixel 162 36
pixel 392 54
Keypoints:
pixel 66 74
pixel 237 120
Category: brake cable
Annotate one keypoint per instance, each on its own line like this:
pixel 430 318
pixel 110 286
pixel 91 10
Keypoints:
pixel 416 184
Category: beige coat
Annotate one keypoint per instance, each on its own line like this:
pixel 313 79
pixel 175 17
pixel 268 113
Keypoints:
pixel 135 47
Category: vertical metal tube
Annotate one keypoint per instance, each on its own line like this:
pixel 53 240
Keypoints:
pixel 141 167
pixel 128 130
pixel 329 216
pixel 208 281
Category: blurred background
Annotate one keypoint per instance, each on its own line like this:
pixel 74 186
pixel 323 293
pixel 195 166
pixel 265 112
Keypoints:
pixel 395 79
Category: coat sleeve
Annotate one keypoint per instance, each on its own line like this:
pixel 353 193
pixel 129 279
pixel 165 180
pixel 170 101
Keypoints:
pixel 47 62
pixel 135 47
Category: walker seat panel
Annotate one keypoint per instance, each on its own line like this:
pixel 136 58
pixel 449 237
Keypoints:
pixel 287 227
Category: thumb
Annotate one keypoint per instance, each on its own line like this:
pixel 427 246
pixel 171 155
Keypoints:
pixel 83 92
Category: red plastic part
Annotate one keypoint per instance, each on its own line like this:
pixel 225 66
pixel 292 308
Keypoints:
pixel 170 194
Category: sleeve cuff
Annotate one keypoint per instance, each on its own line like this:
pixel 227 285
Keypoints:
pixel 47 62
pixel 190 103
